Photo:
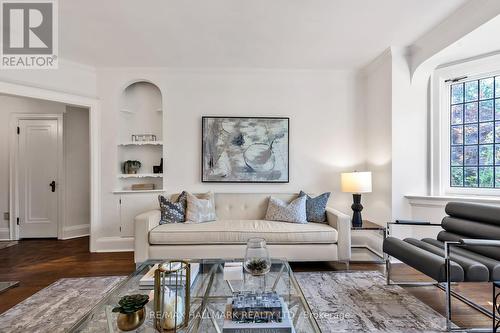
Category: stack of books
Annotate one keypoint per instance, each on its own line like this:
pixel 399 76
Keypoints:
pixel 148 280
pixel 257 313
pixel 143 187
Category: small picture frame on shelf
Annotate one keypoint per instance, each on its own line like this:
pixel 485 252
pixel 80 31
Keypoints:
pixel 143 137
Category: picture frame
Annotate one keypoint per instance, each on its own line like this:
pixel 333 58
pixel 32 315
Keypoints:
pixel 245 149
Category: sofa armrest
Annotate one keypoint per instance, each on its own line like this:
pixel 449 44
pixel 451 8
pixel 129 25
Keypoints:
pixel 342 223
pixel 143 223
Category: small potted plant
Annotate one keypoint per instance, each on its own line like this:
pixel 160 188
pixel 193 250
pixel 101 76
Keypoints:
pixel 131 311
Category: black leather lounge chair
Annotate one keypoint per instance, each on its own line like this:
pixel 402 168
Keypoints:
pixel 467 250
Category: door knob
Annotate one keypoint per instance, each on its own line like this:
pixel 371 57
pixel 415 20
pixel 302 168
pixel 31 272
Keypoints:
pixel 53 186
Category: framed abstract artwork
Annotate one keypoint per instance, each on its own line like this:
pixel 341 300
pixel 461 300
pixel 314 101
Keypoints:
pixel 245 150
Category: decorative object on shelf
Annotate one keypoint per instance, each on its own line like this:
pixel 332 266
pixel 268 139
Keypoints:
pixel 142 187
pixel 131 311
pixel 257 261
pixel 158 168
pixel 143 137
pixel 356 183
pixel 131 167
pixel 172 296
pixel 245 149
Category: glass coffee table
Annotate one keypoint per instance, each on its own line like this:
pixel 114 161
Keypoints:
pixel 209 294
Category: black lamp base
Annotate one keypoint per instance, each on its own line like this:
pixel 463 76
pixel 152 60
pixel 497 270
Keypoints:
pixel 357 207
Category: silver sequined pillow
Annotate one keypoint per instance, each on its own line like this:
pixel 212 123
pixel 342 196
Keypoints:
pixel 295 211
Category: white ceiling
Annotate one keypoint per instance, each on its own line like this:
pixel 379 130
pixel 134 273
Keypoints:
pixel 312 34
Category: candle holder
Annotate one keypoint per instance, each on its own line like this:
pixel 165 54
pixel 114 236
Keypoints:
pixel 172 296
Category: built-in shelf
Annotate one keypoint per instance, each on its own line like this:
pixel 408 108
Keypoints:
pixel 138 191
pixel 134 112
pixel 141 175
pixel 141 143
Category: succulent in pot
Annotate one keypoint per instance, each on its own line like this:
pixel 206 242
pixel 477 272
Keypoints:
pixel 131 311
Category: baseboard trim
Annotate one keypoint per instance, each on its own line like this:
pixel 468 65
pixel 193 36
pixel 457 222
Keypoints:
pixel 76 231
pixel 114 244
pixel 4 234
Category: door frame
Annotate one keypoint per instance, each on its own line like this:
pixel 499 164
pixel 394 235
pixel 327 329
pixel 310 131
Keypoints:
pixel 14 167
pixel 91 103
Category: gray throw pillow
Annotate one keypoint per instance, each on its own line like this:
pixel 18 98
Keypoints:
pixel 316 207
pixel 295 211
pixel 173 211
pixel 200 208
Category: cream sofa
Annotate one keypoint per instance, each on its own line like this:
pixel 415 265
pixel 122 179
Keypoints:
pixel 240 217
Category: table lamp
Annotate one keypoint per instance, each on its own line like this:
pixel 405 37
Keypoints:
pixel 356 183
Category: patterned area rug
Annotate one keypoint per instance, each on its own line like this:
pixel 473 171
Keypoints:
pixel 4 245
pixel 362 302
pixel 57 307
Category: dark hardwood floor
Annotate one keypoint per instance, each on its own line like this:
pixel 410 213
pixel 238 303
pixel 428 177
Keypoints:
pixel 38 263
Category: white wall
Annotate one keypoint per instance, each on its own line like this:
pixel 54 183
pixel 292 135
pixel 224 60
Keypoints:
pixel 77 169
pixel 75 129
pixel 326 126
pixel 70 78
pixel 377 104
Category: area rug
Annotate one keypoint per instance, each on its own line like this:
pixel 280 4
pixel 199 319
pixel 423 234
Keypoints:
pixel 4 245
pixel 362 302
pixel 57 307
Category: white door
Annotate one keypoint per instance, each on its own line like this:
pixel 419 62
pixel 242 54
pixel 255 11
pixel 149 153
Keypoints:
pixel 38 183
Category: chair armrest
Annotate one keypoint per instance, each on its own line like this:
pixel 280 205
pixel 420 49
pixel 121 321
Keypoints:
pixel 143 223
pixel 482 242
pixel 342 223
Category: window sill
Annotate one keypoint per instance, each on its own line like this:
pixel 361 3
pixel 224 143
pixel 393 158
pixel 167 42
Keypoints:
pixel 415 199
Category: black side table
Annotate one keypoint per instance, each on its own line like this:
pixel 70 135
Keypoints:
pixel 496 306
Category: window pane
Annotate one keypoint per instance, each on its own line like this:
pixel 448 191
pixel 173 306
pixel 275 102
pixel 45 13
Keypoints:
pixel 486 88
pixel 457 177
pixel 471 113
pixel 470 155
pixel 457 135
pixel 497 132
pixel 471 91
pixel 486 155
pixel 457 114
pixel 457 93
pixel 497 154
pixel 497 108
pixel 486 177
pixel 470 177
pixel 457 155
pixel 470 134
pixel 486 132
pixel 497 86
pixel 497 177
pixel 486 110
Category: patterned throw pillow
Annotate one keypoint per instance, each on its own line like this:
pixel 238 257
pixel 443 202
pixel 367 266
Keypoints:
pixel 295 211
pixel 316 207
pixel 200 208
pixel 173 211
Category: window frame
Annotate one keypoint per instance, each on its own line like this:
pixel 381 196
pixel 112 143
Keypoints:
pixel 441 152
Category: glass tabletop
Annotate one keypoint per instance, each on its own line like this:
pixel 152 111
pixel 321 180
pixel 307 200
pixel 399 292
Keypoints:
pixel 209 296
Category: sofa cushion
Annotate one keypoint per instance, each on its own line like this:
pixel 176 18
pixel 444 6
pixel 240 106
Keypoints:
pixel 239 231
pixel 173 211
pixel 279 210
pixel 316 207
pixel 200 208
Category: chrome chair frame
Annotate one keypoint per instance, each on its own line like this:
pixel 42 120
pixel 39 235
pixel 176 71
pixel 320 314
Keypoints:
pixel 446 286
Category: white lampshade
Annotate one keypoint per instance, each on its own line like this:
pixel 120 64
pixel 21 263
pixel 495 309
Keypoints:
pixel 356 182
